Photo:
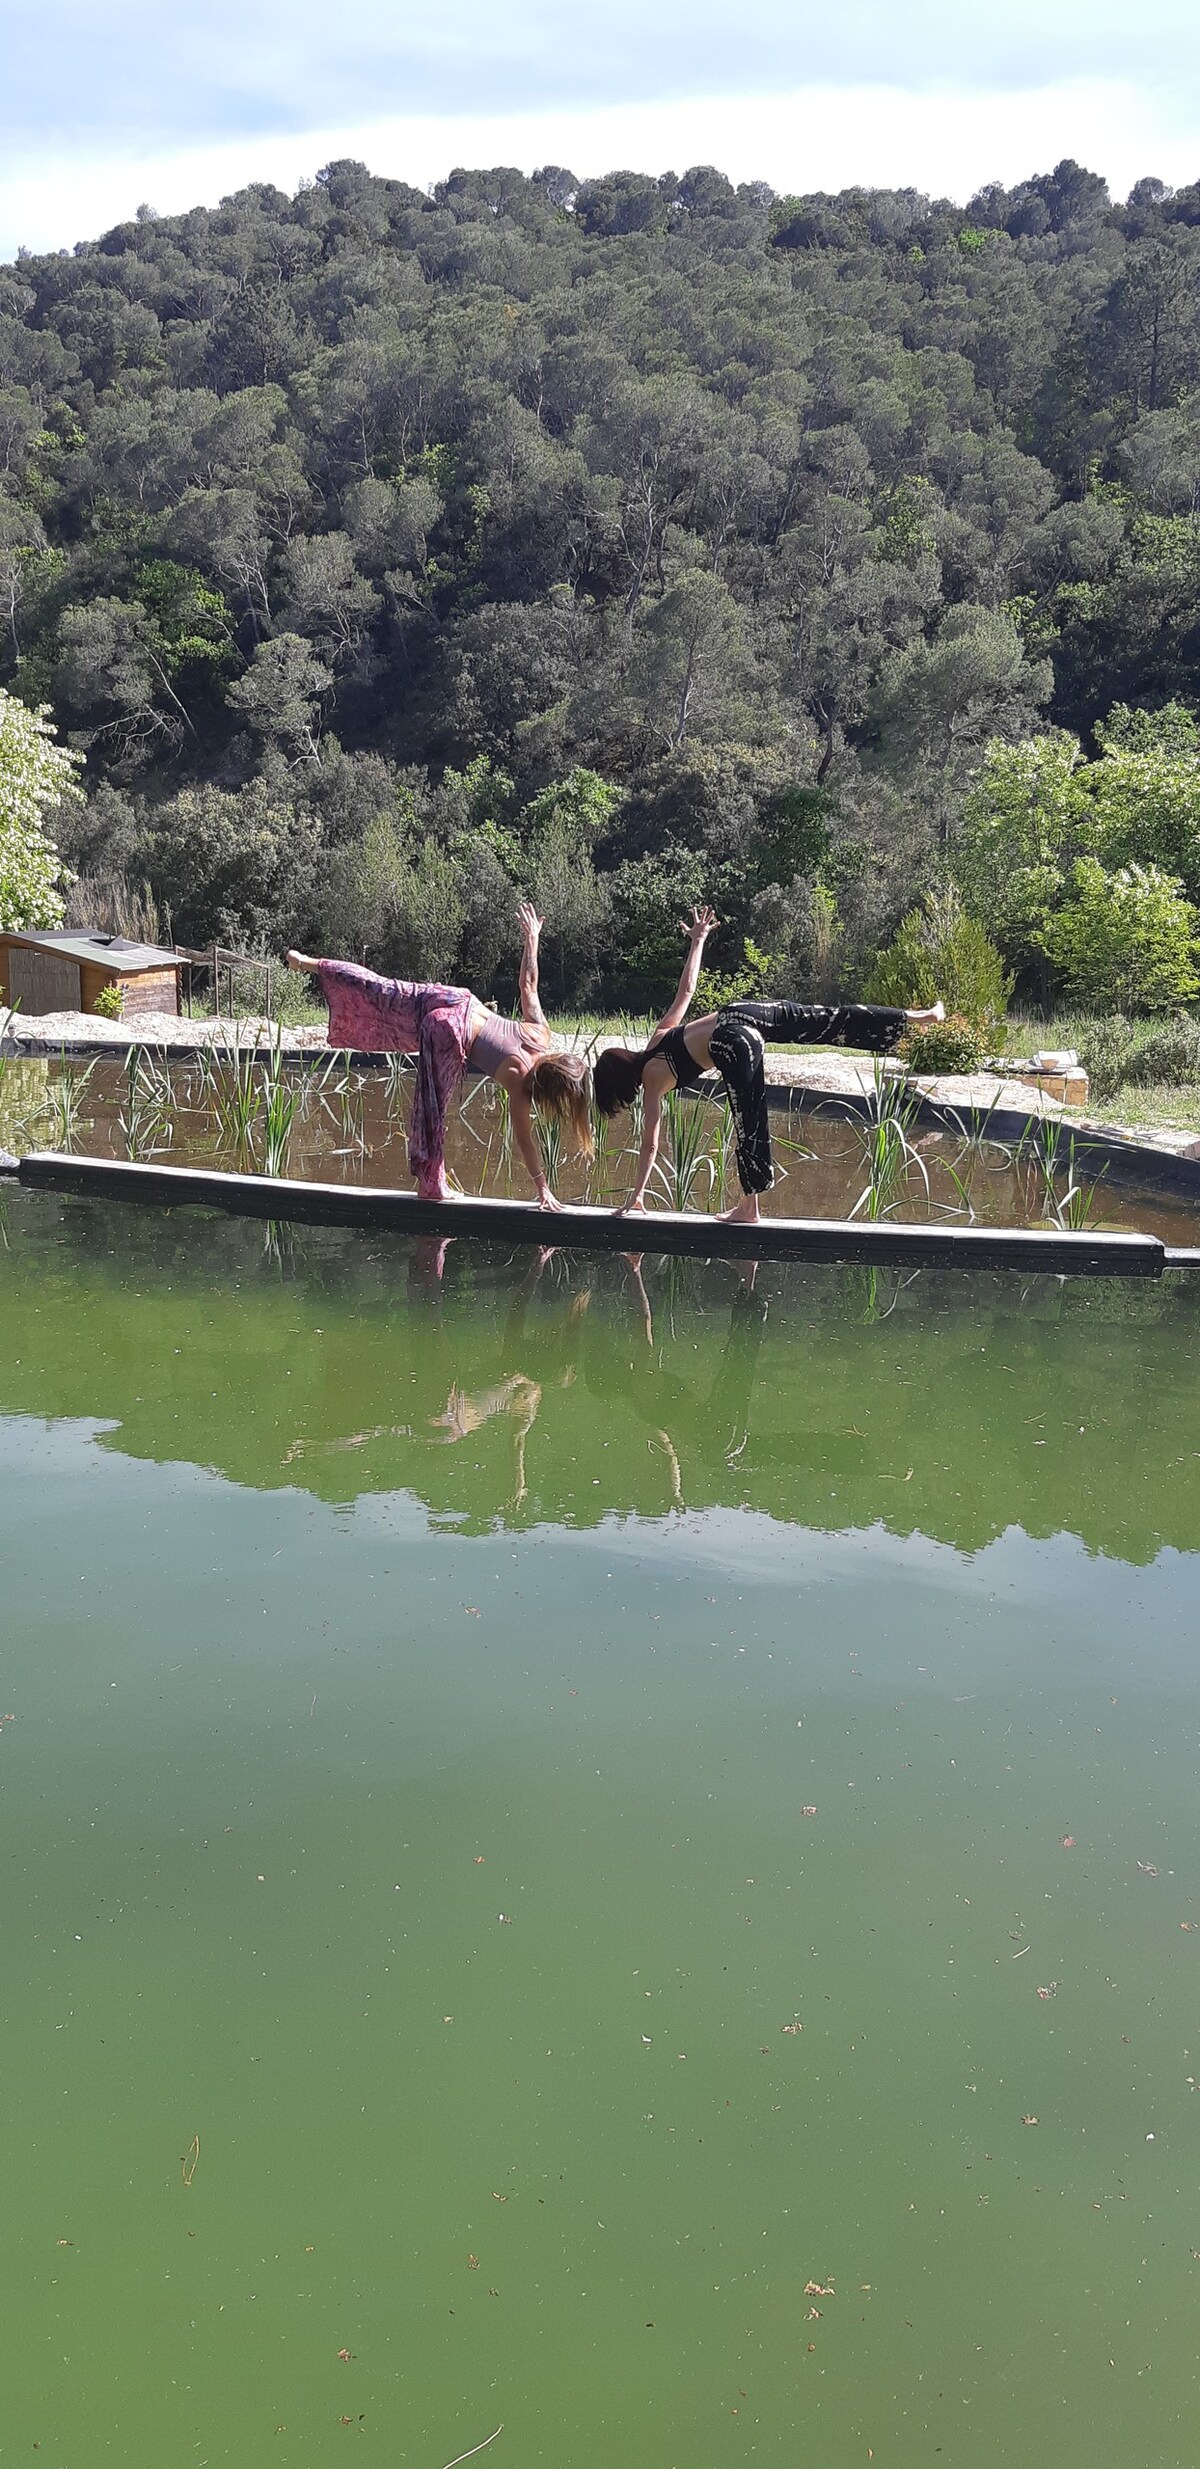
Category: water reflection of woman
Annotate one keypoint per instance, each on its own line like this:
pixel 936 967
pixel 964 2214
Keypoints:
pixel 451 1032
pixel 517 1395
pixel 724 1416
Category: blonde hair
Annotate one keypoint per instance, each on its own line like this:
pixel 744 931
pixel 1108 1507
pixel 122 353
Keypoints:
pixel 558 1083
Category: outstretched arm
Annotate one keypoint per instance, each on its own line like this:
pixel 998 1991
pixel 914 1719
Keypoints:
pixel 521 1116
pixel 697 929
pixel 531 928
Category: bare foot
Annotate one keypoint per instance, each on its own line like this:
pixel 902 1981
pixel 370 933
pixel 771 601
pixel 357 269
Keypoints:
pixel 743 1213
pixel 922 1020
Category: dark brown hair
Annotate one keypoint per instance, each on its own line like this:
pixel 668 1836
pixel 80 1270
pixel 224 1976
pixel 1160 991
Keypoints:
pixel 558 1083
pixel 616 1079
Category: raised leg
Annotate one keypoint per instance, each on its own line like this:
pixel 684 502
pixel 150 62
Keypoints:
pixel 871 1027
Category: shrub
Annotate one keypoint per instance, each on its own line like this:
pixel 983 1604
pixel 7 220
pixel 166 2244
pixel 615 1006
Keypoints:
pixel 109 1003
pixel 941 954
pixel 750 982
pixel 1105 1051
pixel 1114 1058
pixel 954 1044
pixel 1170 1053
pixel 1126 941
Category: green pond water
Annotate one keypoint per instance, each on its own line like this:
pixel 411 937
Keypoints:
pixel 460 1714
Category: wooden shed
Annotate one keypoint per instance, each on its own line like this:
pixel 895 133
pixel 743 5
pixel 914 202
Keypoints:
pixel 66 970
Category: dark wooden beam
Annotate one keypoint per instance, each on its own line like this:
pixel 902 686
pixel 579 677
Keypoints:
pixel 660 1230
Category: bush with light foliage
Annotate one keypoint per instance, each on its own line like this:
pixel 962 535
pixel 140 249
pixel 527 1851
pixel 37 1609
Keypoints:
pixel 36 775
pixel 1125 942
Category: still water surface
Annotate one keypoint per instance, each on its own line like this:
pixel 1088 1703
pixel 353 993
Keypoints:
pixel 457 1725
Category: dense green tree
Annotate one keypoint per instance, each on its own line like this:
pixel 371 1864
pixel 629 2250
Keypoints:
pixel 787 520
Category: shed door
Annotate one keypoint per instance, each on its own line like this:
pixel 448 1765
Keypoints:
pixel 43 981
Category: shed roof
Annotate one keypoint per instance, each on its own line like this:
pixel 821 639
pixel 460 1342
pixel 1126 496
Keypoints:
pixel 111 951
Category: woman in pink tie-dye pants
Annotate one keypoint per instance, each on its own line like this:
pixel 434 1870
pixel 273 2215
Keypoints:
pixel 451 1032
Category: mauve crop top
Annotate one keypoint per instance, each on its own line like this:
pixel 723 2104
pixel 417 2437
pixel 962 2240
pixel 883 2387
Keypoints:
pixel 498 1041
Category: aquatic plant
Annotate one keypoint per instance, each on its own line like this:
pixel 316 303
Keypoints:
pixel 489 1098
pixel 65 1098
pixel 397 1069
pixel 281 1101
pixel 146 1119
pixel 548 1134
pixel 1070 1211
pixel 888 1153
pixel 348 1091
pixel 236 1098
pixel 688 1166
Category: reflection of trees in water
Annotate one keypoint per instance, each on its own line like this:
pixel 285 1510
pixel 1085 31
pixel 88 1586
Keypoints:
pixel 510 1389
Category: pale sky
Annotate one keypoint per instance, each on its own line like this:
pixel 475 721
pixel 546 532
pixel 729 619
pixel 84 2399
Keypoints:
pixel 176 102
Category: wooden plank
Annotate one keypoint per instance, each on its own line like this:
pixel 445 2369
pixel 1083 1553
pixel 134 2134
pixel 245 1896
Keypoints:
pixel 518 1221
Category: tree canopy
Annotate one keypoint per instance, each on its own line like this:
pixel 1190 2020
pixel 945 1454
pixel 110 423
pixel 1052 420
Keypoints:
pixel 382 552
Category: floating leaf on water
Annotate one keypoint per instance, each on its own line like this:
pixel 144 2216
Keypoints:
pixel 809 1809
pixel 1068 1843
pixel 1029 2121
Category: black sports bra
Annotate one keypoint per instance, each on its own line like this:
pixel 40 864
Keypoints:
pixel 674 1048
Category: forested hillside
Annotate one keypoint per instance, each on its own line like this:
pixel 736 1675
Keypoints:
pixel 621 543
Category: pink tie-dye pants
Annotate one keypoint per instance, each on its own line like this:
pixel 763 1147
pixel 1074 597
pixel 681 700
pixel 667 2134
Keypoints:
pixel 390 1015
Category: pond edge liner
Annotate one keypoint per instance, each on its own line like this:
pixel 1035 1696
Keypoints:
pixel 1108 1150
pixel 877 1245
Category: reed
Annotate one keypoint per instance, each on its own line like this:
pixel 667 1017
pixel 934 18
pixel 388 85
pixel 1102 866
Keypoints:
pixel 280 1106
pixel 689 1166
pixel 147 1116
pixel 1071 1210
pixel 549 1137
pixel 486 1116
pixel 888 1153
pixel 65 1100
pixel 236 1098
pixel 397 1070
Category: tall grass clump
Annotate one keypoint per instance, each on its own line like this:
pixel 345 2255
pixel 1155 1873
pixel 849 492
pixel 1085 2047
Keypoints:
pixel 66 1099
pixel 888 1153
pixel 280 1105
pixel 147 1114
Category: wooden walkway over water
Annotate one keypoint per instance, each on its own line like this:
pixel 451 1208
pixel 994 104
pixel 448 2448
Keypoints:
pixel 1045 1250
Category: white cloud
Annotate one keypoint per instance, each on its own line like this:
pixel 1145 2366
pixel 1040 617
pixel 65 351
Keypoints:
pixel 811 138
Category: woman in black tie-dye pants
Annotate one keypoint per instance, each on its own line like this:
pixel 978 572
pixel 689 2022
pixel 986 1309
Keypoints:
pixel 732 1043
